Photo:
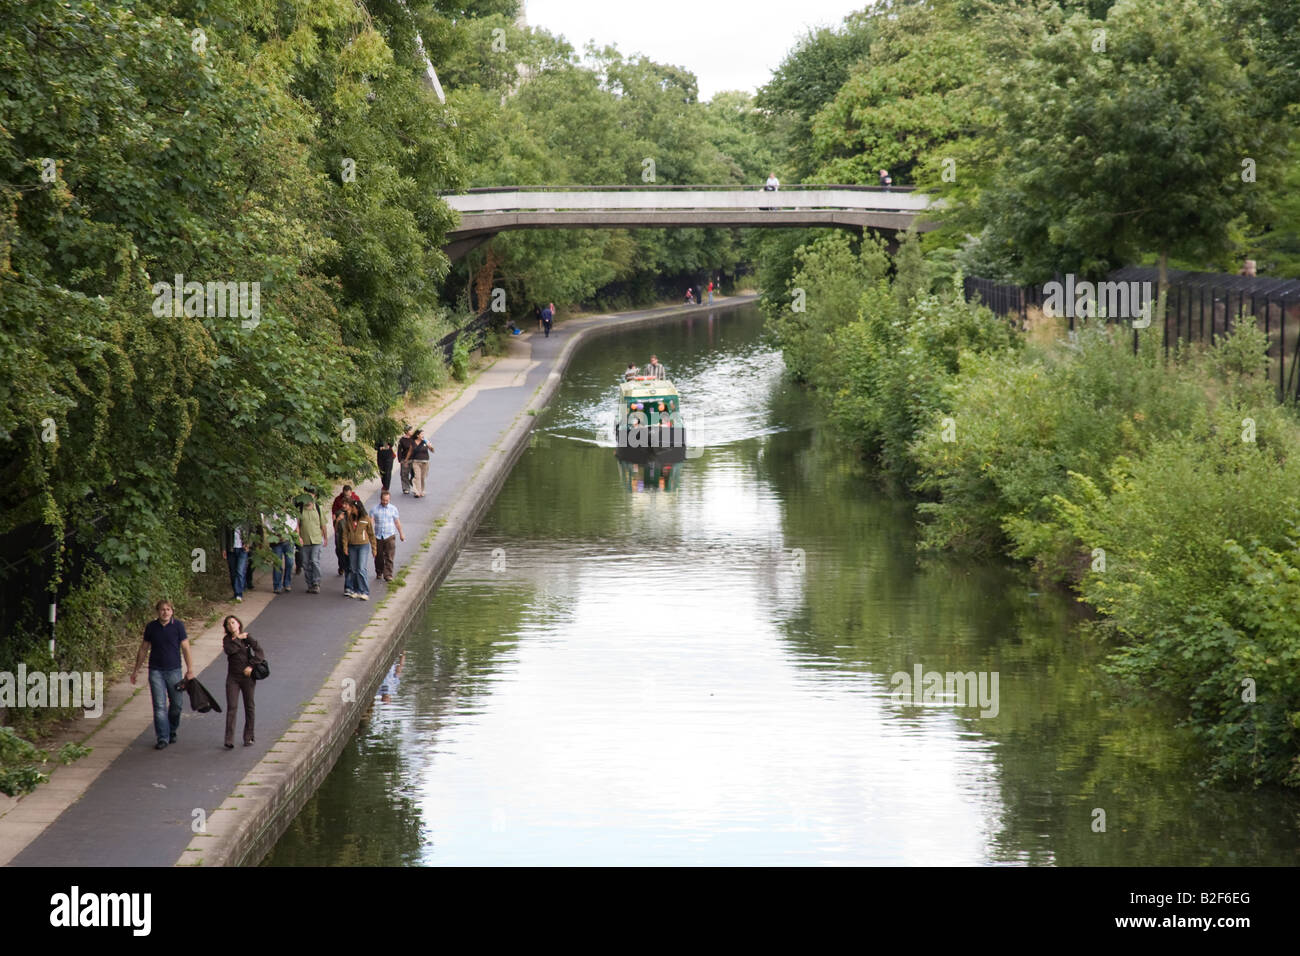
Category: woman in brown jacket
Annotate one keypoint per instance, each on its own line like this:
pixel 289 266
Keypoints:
pixel 241 650
pixel 358 545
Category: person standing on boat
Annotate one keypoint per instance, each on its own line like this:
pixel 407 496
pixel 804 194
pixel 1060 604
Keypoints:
pixel 654 369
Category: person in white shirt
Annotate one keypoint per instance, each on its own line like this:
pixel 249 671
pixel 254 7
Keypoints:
pixel 282 535
pixel 773 184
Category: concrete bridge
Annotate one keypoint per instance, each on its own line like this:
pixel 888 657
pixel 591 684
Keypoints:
pixel 485 212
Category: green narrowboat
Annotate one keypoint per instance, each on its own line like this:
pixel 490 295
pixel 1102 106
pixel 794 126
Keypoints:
pixel 648 421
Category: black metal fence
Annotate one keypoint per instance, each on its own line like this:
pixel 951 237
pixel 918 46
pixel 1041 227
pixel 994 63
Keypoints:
pixel 1199 307
pixel 475 332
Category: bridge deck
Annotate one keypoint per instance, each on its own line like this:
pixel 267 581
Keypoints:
pixel 486 212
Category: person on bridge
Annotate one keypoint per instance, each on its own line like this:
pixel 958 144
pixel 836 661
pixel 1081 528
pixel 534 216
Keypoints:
pixel 654 369
pixel 771 186
pixel 885 179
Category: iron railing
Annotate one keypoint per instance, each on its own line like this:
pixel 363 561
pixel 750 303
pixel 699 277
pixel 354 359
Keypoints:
pixel 1199 307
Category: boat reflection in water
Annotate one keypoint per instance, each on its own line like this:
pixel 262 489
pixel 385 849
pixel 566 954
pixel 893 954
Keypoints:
pixel 653 475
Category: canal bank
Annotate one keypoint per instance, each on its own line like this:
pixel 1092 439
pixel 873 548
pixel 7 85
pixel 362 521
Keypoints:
pixel 197 804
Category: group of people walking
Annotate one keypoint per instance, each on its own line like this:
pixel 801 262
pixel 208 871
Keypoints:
pixel 301 533
pixel 166 643
pixel 297 535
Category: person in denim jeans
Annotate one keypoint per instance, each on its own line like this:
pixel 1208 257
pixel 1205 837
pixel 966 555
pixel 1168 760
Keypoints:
pixel 360 543
pixel 313 532
pixel 235 544
pixel 165 641
pixel 282 534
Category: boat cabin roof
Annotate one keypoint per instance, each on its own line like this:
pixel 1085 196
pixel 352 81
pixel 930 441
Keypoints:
pixel 647 388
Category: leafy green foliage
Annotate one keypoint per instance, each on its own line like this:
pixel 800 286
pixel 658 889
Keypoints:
pixel 209 142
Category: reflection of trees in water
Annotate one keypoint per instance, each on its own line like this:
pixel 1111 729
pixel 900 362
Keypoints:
pixel 1066 741
pixel 372 795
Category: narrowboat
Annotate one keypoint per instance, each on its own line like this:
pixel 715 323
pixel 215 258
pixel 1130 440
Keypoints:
pixel 648 421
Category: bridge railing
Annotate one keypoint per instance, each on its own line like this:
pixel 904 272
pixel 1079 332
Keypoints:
pixel 648 187
pixel 557 199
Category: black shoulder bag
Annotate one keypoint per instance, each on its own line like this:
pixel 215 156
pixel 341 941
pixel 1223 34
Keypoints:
pixel 261 669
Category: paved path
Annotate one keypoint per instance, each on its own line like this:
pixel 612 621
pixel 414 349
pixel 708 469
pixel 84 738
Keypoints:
pixel 129 805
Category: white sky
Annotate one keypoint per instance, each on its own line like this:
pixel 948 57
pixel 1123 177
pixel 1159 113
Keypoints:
pixel 727 44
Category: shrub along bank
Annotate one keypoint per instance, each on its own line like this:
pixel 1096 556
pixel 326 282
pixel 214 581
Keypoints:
pixel 1166 491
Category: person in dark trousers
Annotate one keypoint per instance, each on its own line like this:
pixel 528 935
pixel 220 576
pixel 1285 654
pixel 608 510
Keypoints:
pixel 337 509
pixel 547 316
pixel 235 545
pixel 403 459
pixel 165 641
pixel 241 650
pixel 384 456
pixel 537 314
pixel 388 531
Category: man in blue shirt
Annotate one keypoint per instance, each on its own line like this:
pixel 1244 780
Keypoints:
pixel 388 529
pixel 165 641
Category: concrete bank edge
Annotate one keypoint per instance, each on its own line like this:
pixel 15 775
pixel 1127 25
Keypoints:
pixel 248 823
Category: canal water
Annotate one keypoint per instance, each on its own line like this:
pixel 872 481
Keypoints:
pixel 697 666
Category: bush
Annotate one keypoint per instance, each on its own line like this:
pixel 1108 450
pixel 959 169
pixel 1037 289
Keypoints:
pixel 460 359
pixel 1024 422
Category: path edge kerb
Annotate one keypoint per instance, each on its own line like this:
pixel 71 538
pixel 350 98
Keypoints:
pixel 249 822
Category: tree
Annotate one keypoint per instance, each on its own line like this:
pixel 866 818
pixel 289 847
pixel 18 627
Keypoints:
pixel 1112 143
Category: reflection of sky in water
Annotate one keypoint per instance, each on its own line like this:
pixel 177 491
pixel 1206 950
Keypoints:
pixel 703 676
pixel 650 709
pixel 621 729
